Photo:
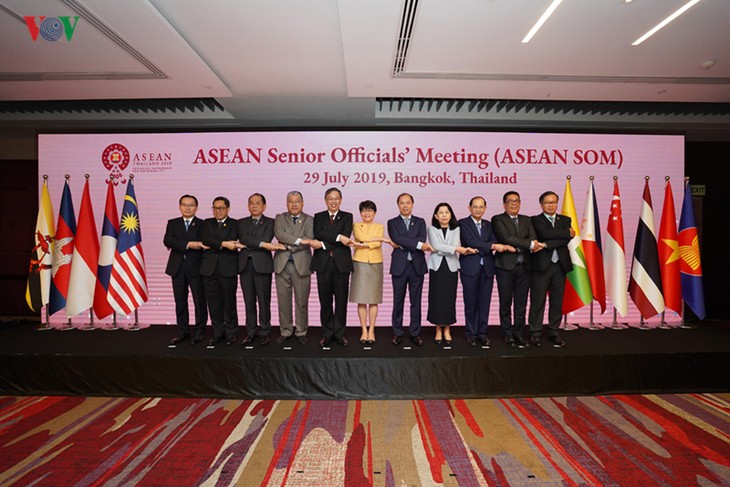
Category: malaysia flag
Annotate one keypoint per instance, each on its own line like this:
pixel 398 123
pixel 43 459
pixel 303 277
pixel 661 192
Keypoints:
pixel 128 282
pixel 109 236
pixel 63 248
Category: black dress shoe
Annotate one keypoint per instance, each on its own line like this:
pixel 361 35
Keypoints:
pixel 557 342
pixel 197 339
pixel 264 341
pixel 282 339
pixel 230 341
pixel 342 341
pixel 324 342
pixel 471 341
pixel 521 343
pixel 248 339
pixel 439 341
pixel 213 341
pixel 484 340
pixel 536 341
pixel 180 339
pixel 397 340
pixel 417 340
pixel 510 342
pixel 302 339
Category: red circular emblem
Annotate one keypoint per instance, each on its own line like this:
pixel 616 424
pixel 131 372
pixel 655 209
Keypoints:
pixel 115 159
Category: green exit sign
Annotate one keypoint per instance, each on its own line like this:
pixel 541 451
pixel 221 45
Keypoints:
pixel 698 189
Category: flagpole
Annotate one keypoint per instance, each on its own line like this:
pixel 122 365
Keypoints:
pixel 568 326
pixel 683 324
pixel 45 325
pixel 592 325
pixel 114 323
pixel 90 325
pixel 135 325
pixel 615 325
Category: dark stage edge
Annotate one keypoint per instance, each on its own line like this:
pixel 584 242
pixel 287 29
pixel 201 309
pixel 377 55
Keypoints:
pixel 124 363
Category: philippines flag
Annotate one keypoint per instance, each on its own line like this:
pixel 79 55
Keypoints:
pixel 109 235
pixel 645 284
pixel 590 233
pixel 83 265
pixel 668 247
pixel 128 281
pixel 63 248
pixel 690 264
pixel 41 261
pixel 614 256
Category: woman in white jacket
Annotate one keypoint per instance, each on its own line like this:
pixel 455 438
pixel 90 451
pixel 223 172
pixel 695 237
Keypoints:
pixel 443 267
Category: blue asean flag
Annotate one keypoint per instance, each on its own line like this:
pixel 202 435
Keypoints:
pixel 690 264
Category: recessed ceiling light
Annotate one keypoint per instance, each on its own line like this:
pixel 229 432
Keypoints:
pixel 661 92
pixel 541 20
pixel 664 22
pixel 708 64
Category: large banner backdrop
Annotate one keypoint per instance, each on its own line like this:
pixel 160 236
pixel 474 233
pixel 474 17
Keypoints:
pixel 432 166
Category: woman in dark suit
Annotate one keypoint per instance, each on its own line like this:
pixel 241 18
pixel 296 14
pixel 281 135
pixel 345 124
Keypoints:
pixel 443 267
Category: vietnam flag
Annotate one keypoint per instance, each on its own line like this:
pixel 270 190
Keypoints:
pixel 690 264
pixel 82 280
pixel 577 284
pixel 668 248
pixel 590 230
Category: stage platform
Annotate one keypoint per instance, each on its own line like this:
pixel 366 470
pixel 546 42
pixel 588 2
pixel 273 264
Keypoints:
pixel 125 363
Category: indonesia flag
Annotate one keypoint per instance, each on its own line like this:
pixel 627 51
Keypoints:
pixel 668 248
pixel 614 255
pixel 590 232
pixel 645 284
pixel 128 281
pixel 63 248
pixel 109 235
pixel 83 265
pixel 689 252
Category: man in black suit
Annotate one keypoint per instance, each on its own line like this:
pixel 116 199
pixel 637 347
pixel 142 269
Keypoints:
pixel 549 268
pixel 332 262
pixel 219 270
pixel 407 267
pixel 513 268
pixel 255 267
pixel 182 239
pixel 477 270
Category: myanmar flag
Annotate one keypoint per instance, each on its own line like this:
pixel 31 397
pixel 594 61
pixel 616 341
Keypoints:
pixel 577 284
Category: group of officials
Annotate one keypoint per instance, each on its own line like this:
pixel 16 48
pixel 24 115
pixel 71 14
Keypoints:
pixel 528 255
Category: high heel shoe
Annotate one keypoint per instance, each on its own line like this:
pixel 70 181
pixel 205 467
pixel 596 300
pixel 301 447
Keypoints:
pixel 439 338
pixel 447 340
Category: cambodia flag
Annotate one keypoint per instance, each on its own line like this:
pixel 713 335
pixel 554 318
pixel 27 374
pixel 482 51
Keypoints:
pixel 669 253
pixel 63 248
pixel 128 282
pixel 690 264
pixel 645 284
pixel 83 265
pixel 109 235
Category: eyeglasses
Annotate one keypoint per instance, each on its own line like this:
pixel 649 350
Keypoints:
pixel 549 202
pixel 188 205
pixel 510 202
pixel 219 208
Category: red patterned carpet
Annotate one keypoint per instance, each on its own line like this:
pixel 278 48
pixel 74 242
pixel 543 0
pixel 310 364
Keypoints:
pixel 642 440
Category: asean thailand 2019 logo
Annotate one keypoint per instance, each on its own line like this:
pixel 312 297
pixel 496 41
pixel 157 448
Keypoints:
pixel 116 159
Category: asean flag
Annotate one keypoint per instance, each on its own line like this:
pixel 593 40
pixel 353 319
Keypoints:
pixel 690 265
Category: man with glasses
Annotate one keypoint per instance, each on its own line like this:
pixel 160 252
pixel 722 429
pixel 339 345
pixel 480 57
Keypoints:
pixel 549 269
pixel 182 239
pixel 220 270
pixel 513 268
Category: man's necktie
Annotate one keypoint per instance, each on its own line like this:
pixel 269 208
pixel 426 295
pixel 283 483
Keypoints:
pixel 332 219
pixel 554 257
pixel 516 221
pixel 187 225
pixel 552 220
pixel 479 228
pixel 407 221
pixel 255 221
pixel 294 219
pixel 520 257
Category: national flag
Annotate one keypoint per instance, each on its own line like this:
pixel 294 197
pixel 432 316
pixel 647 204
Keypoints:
pixel 577 285
pixel 41 260
pixel 690 264
pixel 614 256
pixel 668 248
pixel 85 259
pixel 128 282
pixel 645 283
pixel 590 231
pixel 63 248
pixel 109 235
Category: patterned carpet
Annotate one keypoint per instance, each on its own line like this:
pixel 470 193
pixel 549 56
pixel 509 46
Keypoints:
pixel 624 440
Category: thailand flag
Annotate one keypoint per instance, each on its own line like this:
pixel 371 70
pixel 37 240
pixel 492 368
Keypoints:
pixel 645 284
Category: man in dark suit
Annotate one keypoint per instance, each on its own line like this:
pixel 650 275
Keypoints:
pixel 332 261
pixel 294 230
pixel 255 267
pixel 219 270
pixel 549 268
pixel 513 268
pixel 182 239
pixel 477 270
pixel 407 267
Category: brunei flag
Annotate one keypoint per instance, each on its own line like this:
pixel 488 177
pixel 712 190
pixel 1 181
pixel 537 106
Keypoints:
pixel 577 284
pixel 41 260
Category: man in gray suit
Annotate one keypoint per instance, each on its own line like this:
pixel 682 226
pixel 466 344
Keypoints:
pixel 295 231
